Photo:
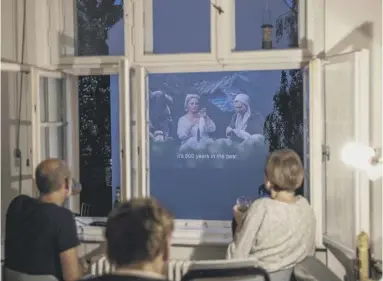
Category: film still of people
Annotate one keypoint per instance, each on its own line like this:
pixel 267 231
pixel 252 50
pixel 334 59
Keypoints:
pixel 193 130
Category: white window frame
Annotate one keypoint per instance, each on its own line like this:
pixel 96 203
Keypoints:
pixel 360 60
pixel 221 40
pixel 196 232
pixel 96 66
pixel 71 136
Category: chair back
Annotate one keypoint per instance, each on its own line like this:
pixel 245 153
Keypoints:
pixel 233 270
pixel 312 269
pixel 11 275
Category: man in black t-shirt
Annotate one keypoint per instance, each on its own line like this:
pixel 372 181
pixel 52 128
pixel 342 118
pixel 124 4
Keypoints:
pixel 40 235
pixel 138 237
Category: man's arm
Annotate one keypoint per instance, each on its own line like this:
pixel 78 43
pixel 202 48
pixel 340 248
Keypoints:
pixel 67 245
pixel 70 265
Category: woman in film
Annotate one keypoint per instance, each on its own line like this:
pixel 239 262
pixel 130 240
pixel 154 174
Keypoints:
pixel 195 126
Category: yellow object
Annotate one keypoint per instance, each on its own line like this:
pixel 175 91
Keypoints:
pixel 363 256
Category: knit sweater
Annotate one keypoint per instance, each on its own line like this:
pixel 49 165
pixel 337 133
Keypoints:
pixel 275 234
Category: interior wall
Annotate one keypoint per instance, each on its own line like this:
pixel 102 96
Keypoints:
pixel 16 174
pixel 47 35
pixel 360 27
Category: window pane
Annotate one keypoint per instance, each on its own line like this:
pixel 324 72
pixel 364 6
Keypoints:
pixel 181 26
pixel 98 115
pixel 196 160
pixel 52 142
pixel 52 102
pixel 56 142
pixel 44 143
pixel 100 27
pixel 339 130
pixel 251 15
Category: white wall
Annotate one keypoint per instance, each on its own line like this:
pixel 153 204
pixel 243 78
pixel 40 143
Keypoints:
pixel 44 34
pixel 11 33
pixel 352 25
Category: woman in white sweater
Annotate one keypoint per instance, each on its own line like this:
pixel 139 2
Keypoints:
pixel 277 232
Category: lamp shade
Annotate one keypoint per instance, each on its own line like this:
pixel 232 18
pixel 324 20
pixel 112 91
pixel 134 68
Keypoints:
pixel 357 155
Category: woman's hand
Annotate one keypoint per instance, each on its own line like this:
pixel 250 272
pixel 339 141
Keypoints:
pixel 229 130
pixel 202 113
pixel 238 216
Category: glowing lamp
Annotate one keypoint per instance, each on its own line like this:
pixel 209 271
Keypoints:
pixel 364 158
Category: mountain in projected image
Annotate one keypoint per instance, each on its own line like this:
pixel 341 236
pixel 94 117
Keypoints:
pixel 220 88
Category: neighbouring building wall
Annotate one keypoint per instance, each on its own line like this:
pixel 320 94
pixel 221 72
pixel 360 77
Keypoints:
pixel 351 25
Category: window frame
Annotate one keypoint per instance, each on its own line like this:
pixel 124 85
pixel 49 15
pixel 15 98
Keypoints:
pixel 96 66
pixel 221 40
pixel 70 141
pixel 360 60
pixel 213 232
pixel 228 39
pixel 221 58
pixel 192 232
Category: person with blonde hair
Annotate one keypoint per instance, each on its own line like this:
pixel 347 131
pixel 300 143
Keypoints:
pixel 276 232
pixel 195 127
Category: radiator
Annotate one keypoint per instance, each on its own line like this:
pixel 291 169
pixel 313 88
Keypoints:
pixel 176 268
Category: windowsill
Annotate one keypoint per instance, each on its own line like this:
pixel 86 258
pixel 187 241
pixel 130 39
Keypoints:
pixel 186 232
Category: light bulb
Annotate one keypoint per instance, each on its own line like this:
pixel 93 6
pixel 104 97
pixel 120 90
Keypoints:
pixel 357 155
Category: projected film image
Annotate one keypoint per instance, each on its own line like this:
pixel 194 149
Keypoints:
pixel 210 134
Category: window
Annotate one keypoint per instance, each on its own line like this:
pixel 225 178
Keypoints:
pixel 177 26
pixel 216 57
pixel 280 18
pixel 346 119
pixel 98 116
pixel 100 28
pixel 53 124
pixel 191 164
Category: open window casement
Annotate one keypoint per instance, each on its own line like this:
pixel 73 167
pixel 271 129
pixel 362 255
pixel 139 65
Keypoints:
pixel 126 151
pixel 339 114
pixel 139 132
pixel 55 121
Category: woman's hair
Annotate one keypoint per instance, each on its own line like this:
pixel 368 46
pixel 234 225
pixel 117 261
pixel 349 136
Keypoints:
pixel 188 98
pixel 138 231
pixel 284 170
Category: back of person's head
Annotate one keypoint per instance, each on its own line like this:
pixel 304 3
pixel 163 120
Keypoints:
pixel 138 232
pixel 284 170
pixel 53 175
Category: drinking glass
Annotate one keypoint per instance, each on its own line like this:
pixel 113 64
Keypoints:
pixel 243 203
